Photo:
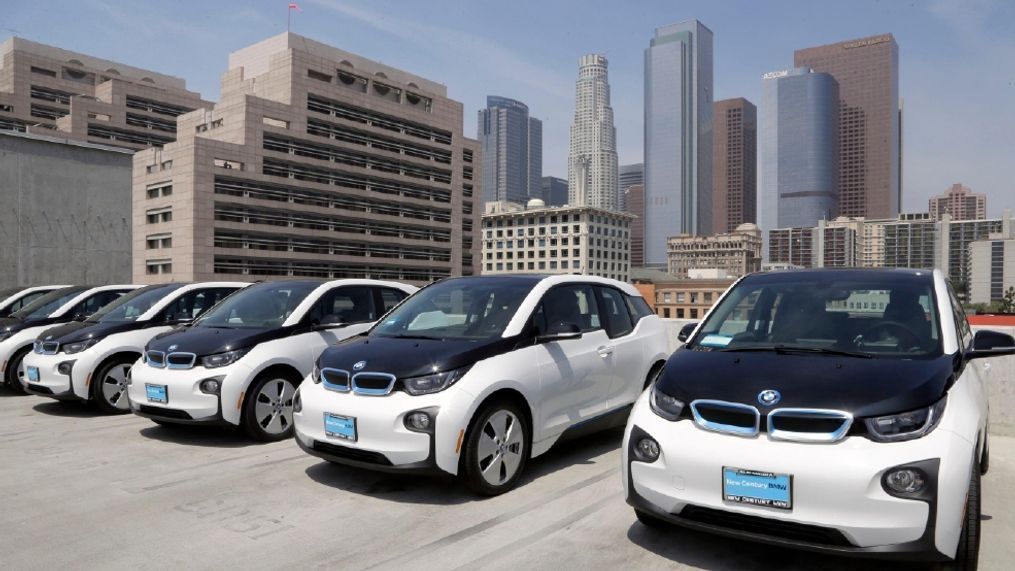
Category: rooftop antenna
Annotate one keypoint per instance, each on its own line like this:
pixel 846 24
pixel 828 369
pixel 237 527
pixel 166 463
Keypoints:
pixel 289 23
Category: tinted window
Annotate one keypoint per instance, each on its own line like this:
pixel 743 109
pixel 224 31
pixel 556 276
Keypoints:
pixel 638 307
pixel 391 297
pixel 193 303
pixel 47 304
pixel 132 305
pixel 572 305
pixel 613 312
pixel 457 309
pixel 351 304
pixel 25 300
pixel 859 314
pixel 94 302
pixel 262 305
pixel 965 334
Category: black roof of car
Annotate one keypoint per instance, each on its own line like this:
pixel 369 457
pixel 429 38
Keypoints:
pixel 889 275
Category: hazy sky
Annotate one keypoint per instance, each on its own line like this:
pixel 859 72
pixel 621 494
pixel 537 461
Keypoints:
pixel 957 58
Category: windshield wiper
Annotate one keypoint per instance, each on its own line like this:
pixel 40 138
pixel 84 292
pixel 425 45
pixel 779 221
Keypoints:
pixel 412 336
pixel 784 350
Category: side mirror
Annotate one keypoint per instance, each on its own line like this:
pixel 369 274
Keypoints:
pixel 80 316
pixel 560 331
pixel 686 331
pixel 988 343
pixel 328 322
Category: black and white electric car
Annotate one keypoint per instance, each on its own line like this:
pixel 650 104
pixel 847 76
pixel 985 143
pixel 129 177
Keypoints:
pixel 473 376
pixel 830 410
pixel 240 363
pixel 19 330
pixel 16 298
pixel 89 360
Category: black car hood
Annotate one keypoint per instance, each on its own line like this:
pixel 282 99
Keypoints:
pixel 863 387
pixel 204 341
pixel 81 330
pixel 11 325
pixel 407 357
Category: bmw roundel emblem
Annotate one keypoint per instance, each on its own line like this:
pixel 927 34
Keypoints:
pixel 172 347
pixel 358 366
pixel 769 397
pixel 48 337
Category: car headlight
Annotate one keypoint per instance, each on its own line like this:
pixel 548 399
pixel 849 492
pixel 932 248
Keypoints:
pixel 907 425
pixel 433 383
pixel 664 405
pixel 223 359
pixel 78 346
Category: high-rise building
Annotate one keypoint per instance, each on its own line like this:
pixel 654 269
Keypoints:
pixel 734 164
pixel 512 144
pixel 960 203
pixel 629 176
pixel 315 163
pixel 870 140
pixel 592 159
pixel 799 149
pixel 678 135
pixel 556 240
pixel 734 253
pixel 992 267
pixel 634 204
pixel 554 191
pixel 60 93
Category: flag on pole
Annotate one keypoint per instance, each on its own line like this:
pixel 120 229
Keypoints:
pixel 295 6
pixel 292 6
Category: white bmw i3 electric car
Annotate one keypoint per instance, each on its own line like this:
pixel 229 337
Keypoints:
pixel 89 360
pixel 240 363
pixel 830 410
pixel 473 376
pixel 19 330
pixel 16 298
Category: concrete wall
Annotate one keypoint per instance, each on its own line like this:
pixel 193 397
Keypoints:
pixel 64 212
pixel 999 372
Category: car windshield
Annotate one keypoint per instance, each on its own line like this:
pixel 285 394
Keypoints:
pixel 129 307
pixel 858 315
pixel 48 303
pixel 258 306
pixel 467 308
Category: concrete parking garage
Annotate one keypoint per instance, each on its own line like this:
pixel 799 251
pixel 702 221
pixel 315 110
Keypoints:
pixel 81 490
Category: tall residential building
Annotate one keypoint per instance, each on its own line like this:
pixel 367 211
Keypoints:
pixel 991 267
pixel 315 163
pixel 629 176
pixel 634 204
pixel 592 159
pixel 960 203
pixel 870 135
pixel 554 191
pixel 556 240
pixel 735 253
pixel 678 135
pixel 512 144
pixel 799 149
pixel 734 164
pixel 60 93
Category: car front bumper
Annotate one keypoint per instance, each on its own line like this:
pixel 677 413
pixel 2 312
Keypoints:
pixel 185 402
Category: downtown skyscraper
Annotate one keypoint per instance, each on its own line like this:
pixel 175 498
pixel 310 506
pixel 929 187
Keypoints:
pixel 592 159
pixel 870 168
pixel 734 164
pixel 678 136
pixel 512 145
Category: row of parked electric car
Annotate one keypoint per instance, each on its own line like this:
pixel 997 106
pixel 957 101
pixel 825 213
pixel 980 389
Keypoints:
pixel 839 411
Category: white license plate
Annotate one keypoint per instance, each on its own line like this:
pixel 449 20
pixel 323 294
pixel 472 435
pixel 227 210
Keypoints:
pixel 157 393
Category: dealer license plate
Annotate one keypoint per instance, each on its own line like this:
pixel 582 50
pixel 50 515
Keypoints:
pixel 338 426
pixel 157 393
pixel 757 488
pixel 33 374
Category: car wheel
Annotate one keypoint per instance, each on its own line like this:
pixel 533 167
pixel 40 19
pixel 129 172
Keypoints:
pixel 985 461
pixel 109 386
pixel 14 376
pixel 968 553
pixel 268 410
pixel 649 520
pixel 496 449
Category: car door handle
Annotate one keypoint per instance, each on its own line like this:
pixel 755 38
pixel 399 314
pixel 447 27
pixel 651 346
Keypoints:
pixel 605 351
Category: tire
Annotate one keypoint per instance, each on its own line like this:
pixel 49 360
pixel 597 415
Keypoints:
pixel 16 370
pixel 985 460
pixel 968 552
pixel 649 520
pixel 108 389
pixel 268 408
pixel 496 449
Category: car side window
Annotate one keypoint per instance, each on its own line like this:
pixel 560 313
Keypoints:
pixel 573 304
pixel 351 304
pixel 93 303
pixel 638 307
pixel 613 311
pixel 193 303
pixel 964 333
pixel 390 298
pixel 25 301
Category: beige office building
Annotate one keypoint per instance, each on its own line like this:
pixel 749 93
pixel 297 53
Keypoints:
pixel 59 93
pixel 315 163
pixel 736 253
pixel 960 203
pixel 537 239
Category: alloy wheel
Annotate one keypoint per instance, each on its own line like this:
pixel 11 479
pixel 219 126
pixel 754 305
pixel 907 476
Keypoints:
pixel 114 387
pixel 273 407
pixel 500 447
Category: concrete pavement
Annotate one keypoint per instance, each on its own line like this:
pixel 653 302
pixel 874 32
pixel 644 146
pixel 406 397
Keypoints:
pixel 85 491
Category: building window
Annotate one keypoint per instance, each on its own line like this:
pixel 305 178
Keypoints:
pixel 157 215
pixel 156 191
pixel 157 267
pixel 158 241
pixel 694 313
pixel 680 313
pixel 666 312
pixel 227 164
